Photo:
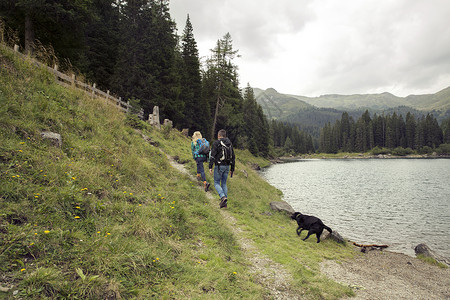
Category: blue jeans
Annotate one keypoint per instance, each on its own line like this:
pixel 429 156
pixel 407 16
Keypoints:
pixel 220 179
pixel 200 169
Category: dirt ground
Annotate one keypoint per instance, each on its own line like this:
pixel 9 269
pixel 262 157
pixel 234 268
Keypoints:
pixel 388 275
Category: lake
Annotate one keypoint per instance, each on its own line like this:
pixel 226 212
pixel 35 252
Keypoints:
pixel 398 202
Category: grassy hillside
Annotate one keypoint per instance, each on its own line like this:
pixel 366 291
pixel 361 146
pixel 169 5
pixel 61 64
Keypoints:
pixel 106 216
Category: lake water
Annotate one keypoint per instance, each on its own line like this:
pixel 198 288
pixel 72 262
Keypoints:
pixel 398 202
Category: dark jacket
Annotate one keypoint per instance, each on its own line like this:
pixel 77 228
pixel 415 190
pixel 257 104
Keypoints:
pixel 215 153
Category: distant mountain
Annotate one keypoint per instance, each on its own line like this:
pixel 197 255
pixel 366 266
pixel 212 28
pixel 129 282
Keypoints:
pixel 439 101
pixel 314 112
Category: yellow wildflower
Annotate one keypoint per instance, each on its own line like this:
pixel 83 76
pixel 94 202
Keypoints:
pixel 46 231
pixel 77 207
pixel 131 194
pixel 77 217
pixel 21 270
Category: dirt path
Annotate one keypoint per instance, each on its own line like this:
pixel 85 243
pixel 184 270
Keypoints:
pixel 373 275
pixel 268 273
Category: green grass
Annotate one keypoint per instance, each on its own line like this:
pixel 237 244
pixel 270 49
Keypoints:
pixel 431 261
pixel 106 215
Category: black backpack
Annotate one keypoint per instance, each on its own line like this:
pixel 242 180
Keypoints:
pixel 204 147
pixel 225 153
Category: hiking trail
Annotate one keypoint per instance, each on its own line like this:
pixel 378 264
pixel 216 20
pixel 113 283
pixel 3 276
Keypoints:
pixel 271 275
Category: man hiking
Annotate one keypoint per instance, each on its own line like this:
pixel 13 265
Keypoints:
pixel 222 155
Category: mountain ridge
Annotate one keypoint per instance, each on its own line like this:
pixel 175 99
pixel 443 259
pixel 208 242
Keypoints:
pixel 385 100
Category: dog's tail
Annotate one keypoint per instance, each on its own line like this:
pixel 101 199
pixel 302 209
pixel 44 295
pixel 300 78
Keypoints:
pixel 328 228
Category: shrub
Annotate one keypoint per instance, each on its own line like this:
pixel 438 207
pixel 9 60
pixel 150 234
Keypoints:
pixel 443 149
pixel 400 151
pixel 425 150
pixel 377 151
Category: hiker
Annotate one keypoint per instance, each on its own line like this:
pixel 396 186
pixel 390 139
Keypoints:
pixel 200 158
pixel 222 154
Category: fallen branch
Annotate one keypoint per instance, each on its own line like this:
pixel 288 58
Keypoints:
pixel 365 248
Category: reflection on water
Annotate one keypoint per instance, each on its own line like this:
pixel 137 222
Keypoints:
pixel 399 202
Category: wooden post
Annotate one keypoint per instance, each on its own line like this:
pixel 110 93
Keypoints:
pixel 107 94
pixel 93 90
pixel 128 107
pixel 16 48
pixel 55 67
pixel 73 79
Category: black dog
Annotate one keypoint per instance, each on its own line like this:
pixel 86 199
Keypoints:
pixel 313 224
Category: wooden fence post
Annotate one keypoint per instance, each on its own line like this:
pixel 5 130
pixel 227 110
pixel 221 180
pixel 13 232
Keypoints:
pixel 16 48
pixel 55 67
pixel 93 90
pixel 73 79
pixel 128 107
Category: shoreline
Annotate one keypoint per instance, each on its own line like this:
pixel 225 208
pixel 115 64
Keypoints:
pixel 381 274
pixel 287 159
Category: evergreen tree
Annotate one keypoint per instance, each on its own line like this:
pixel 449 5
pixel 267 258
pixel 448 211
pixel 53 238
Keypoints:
pixel 197 111
pixel 101 35
pixel 221 89
pixel 446 131
pixel 410 130
pixel 59 23
pixel 147 65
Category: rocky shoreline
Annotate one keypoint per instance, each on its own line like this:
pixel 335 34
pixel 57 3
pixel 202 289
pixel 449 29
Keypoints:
pixel 389 275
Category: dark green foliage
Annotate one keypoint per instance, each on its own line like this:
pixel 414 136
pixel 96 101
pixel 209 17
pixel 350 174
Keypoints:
pixel 58 23
pixel 379 132
pixel 255 132
pixel 221 90
pixel 290 138
pixel 196 108
pixel 146 67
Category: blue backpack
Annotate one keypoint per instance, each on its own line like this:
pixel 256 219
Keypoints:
pixel 203 146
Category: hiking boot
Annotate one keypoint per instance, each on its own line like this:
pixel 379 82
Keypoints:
pixel 207 185
pixel 223 202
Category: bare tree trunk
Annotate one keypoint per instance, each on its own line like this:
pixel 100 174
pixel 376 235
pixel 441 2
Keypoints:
pixel 29 34
pixel 216 112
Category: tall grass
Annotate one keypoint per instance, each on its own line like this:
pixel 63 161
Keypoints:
pixel 106 216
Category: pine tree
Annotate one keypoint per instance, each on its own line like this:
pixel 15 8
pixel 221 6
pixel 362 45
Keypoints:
pixel 147 64
pixel 102 36
pixel 221 89
pixel 410 130
pixel 59 23
pixel 196 111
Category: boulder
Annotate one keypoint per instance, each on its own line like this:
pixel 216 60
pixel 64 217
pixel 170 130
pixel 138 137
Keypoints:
pixel 282 206
pixel 334 236
pixel 427 252
pixel 54 138
pixel 168 122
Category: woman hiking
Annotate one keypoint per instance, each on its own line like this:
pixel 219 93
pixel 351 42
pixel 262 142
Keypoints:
pixel 199 158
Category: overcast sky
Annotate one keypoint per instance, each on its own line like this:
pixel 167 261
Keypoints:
pixel 316 47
